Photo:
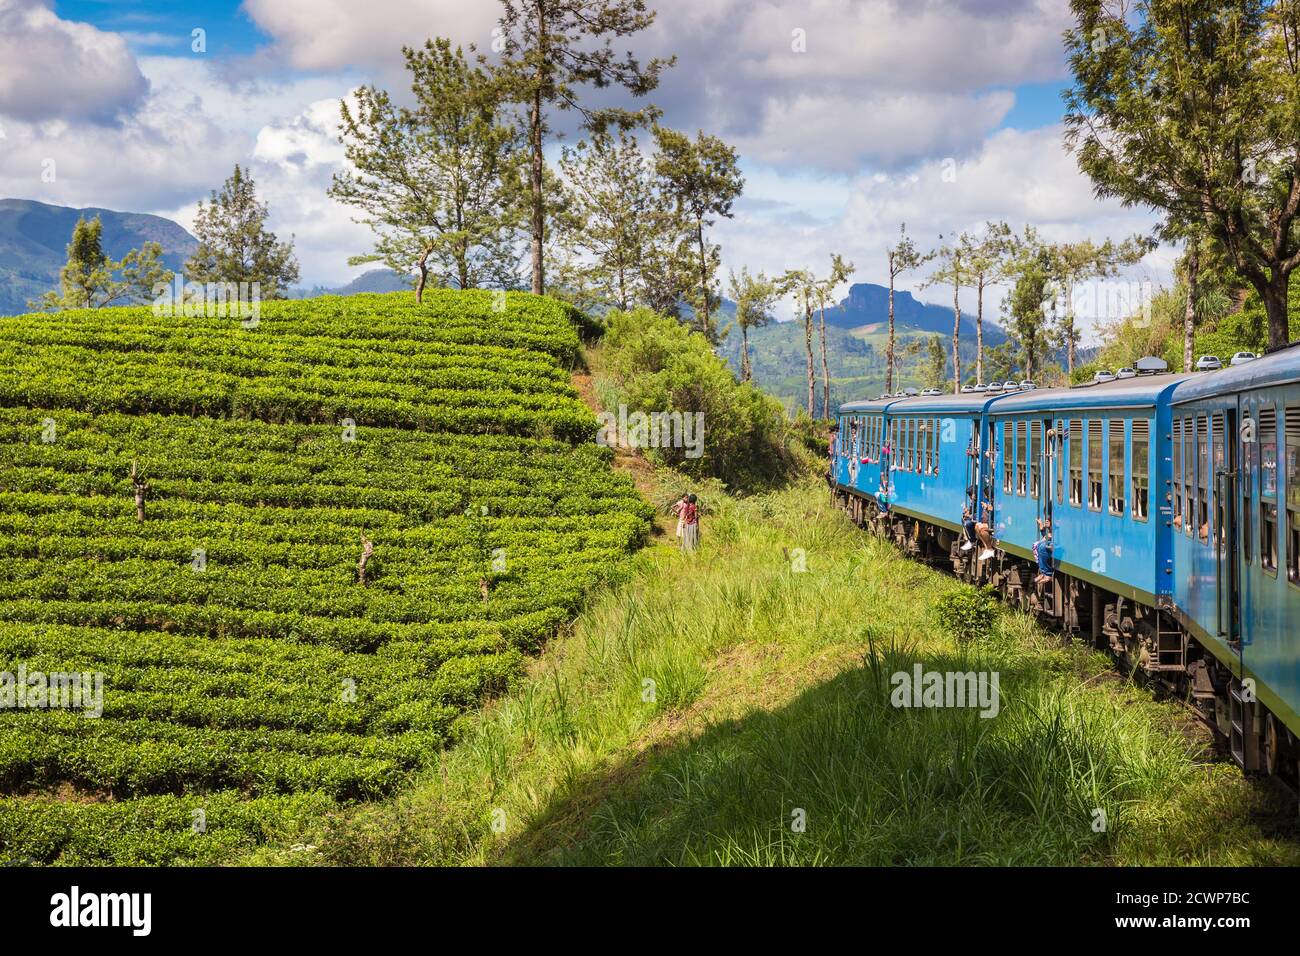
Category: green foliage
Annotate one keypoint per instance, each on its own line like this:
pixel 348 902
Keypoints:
pixel 235 245
pixel 658 365
pixel 438 183
pixel 969 613
pixel 87 280
pixel 241 659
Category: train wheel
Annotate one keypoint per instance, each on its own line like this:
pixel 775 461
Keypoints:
pixel 1269 759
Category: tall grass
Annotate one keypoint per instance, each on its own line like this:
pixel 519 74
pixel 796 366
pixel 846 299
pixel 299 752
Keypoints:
pixel 724 708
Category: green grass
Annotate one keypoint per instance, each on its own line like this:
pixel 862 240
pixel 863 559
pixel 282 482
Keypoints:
pixel 771 696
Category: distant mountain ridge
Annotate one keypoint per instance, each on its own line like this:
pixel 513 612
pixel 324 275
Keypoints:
pixel 867 304
pixel 34 237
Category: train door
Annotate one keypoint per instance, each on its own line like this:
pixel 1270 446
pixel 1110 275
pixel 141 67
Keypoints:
pixel 1043 442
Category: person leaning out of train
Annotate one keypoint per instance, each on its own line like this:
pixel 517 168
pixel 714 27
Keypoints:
pixel 1043 554
pixel 968 523
pixel 984 531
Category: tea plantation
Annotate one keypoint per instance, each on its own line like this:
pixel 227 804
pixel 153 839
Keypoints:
pixel 251 678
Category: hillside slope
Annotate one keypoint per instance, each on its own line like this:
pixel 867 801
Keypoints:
pixel 250 681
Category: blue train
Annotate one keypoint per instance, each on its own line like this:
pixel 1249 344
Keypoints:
pixel 1155 514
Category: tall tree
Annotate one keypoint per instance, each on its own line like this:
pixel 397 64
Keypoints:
pixel 986 260
pixel 755 296
pixel 840 272
pixel 802 284
pixel 1072 263
pixel 936 363
pixel 903 257
pixel 954 269
pixel 617 216
pixel 235 245
pixel 1188 107
pixel 1030 297
pixel 437 182
pixel 90 279
pixel 703 180
pixel 550 50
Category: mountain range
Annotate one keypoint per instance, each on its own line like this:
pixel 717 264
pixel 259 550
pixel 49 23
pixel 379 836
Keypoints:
pixel 33 248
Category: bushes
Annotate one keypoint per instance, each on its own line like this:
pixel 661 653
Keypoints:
pixel 656 364
pixel 969 613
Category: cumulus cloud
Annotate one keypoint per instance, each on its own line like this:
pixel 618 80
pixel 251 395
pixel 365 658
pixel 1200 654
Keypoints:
pixel 828 84
pixel 56 69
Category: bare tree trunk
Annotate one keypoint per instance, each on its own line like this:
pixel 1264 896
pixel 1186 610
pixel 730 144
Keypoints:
pixel 141 488
pixel 1275 305
pixel 979 333
pixel 956 332
pixel 1189 314
pixel 535 187
pixel 745 370
pixel 826 372
pixel 367 549
pixel 1069 331
pixel 807 336
pixel 704 281
pixel 889 348
pixel 424 276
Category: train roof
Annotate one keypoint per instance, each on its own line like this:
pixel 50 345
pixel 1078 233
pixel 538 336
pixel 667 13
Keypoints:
pixel 1137 392
pixel 1276 368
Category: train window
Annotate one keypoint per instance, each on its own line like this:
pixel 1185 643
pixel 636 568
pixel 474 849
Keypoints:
pixel 1008 443
pixel 1035 457
pixel 914 444
pixel 1020 458
pixel 1094 464
pixel 1189 474
pixel 1178 473
pixel 1203 478
pixel 1248 467
pixel 1141 467
pixel 1060 462
pixel 1074 451
pixel 1116 466
pixel 1292 452
pixel 1268 487
pixel 1216 468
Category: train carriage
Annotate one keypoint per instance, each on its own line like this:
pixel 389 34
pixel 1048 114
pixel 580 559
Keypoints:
pixel 1235 436
pixel 1174 508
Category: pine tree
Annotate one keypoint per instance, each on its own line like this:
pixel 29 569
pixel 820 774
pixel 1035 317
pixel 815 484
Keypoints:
pixel 234 244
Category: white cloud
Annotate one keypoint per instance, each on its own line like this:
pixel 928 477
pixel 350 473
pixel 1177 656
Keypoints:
pixel 60 69
pixel 1021 177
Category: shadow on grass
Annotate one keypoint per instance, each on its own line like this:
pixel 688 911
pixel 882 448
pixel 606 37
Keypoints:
pixel 840 776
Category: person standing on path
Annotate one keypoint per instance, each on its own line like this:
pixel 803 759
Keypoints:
pixel 691 524
pixel 677 509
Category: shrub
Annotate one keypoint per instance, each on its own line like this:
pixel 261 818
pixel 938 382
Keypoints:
pixel 969 613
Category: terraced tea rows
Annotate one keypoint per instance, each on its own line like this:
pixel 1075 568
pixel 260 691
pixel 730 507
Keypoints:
pixel 249 679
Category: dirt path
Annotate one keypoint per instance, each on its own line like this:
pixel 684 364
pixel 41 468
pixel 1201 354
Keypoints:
pixel 626 460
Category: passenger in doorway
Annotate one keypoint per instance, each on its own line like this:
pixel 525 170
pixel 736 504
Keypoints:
pixel 984 531
pixel 1043 554
pixel 968 523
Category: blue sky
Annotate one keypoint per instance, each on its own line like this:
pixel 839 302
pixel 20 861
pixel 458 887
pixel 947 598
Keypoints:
pixel 941 114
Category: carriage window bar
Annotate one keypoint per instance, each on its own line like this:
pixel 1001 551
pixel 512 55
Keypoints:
pixel 1268 488
pixel 1189 476
pixel 1216 467
pixel 1035 457
pixel 1094 464
pixel 1020 458
pixel 1008 445
pixel 1203 479
pixel 1141 467
pixel 1060 462
pixel 1293 493
pixel 1074 451
pixel 1178 473
pixel 1117 466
